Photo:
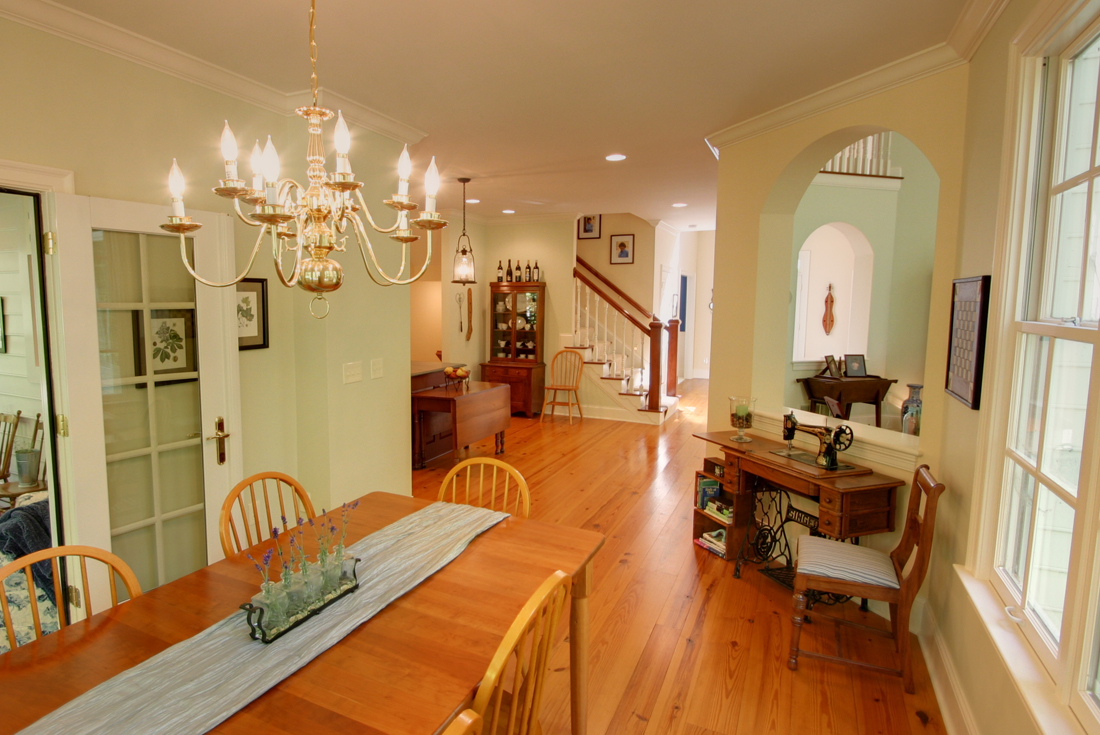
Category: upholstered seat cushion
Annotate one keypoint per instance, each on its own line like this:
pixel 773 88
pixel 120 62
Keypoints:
pixel 822 557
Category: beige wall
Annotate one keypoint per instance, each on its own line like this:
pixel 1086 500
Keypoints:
pixel 117 126
pixel 704 282
pixel 426 326
pixel 636 279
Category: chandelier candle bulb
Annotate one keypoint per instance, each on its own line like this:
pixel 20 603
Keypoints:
pixel 404 171
pixel 229 153
pixel 176 186
pixel 431 186
pixel 342 140
pixel 271 172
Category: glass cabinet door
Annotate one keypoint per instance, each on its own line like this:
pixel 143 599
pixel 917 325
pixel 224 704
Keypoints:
pixel 503 341
pixel 526 325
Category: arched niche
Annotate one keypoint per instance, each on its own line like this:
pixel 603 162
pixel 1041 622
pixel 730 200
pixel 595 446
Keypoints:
pixel 835 259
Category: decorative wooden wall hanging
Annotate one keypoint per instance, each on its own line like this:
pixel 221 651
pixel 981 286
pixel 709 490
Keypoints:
pixel 469 313
pixel 828 320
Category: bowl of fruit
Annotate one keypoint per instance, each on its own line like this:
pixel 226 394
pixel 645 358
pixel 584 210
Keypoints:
pixel 456 376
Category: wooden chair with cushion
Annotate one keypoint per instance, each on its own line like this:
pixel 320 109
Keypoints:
pixel 258 504
pixel 23 564
pixel 487 483
pixel 510 694
pixel 467 723
pixel 565 375
pixel 825 565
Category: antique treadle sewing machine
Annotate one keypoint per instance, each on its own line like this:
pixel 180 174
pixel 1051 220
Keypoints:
pixel 830 442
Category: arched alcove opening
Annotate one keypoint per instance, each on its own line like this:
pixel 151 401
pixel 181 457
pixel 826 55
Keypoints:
pixel 835 260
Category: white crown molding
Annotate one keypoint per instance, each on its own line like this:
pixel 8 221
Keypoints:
pixel 28 176
pixel 922 64
pixel 855 181
pixel 972 26
pixel 94 33
pixel 660 224
pixel 531 219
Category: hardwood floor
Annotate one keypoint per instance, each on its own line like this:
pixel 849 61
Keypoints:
pixel 679 646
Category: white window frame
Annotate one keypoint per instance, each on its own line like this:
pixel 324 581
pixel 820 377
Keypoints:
pixel 1025 199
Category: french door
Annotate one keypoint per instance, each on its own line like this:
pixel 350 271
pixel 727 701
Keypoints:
pixel 149 368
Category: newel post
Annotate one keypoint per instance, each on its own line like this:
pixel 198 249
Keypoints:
pixel 673 359
pixel 653 402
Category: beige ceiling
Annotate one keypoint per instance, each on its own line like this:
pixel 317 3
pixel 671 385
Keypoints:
pixel 527 98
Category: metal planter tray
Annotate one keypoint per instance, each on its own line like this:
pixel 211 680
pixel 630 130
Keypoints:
pixel 257 631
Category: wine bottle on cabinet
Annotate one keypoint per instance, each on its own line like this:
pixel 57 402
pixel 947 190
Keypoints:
pixel 519 272
pixel 535 273
pixel 527 272
pixel 508 277
pixel 500 271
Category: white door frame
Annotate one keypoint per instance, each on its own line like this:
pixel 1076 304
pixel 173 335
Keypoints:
pixel 86 514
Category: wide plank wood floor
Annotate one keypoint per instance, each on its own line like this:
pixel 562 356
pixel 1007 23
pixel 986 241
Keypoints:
pixel 678 645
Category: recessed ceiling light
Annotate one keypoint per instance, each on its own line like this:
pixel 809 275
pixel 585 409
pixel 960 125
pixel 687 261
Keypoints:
pixel 616 157
pixel 473 201
pixel 692 225
pixel 509 211
pixel 679 204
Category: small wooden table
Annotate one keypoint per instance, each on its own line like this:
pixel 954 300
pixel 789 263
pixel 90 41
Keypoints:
pixel 407 671
pixel 846 391
pixel 477 411
pixel 9 491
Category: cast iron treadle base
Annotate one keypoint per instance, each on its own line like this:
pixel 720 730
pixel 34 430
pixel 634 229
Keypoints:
pixel 785 577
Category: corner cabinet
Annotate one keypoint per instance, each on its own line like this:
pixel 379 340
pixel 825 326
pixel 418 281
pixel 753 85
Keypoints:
pixel 516 315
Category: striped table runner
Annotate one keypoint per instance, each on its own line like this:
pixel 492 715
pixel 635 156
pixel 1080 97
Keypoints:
pixel 196 684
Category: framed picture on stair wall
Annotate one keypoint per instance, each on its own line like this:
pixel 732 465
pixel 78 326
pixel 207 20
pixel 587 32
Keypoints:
pixel 622 249
pixel 588 227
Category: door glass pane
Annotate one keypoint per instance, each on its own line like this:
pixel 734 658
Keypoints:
pixel 1080 105
pixel 1016 524
pixel 125 417
pixel 119 340
pixel 1046 589
pixel 1065 420
pixel 117 266
pixel 155 341
pixel 502 325
pixel 1066 248
pixel 1090 309
pixel 131 500
pixel 169 281
pixel 1030 383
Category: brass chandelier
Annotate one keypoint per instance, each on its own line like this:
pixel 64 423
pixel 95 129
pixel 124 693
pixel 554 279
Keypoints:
pixel 309 222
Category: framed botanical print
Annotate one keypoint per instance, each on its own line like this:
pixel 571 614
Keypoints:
pixel 173 343
pixel 252 314
pixel 588 227
pixel 622 249
pixel 855 366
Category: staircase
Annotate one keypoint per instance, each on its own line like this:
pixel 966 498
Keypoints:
pixel 629 354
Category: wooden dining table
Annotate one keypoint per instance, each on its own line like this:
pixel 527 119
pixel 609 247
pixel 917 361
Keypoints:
pixel 407 671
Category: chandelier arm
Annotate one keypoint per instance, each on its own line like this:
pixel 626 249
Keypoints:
pixel 357 226
pixel 395 281
pixel 238 279
pixel 277 257
pixel 366 211
pixel 244 217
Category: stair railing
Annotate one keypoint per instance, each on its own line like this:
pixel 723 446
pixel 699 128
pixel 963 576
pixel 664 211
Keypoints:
pixel 603 323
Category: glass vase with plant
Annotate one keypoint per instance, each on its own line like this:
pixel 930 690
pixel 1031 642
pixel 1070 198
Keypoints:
pixel 271 598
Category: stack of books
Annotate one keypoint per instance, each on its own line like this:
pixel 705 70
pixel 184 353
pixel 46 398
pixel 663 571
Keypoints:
pixel 714 542
pixel 719 511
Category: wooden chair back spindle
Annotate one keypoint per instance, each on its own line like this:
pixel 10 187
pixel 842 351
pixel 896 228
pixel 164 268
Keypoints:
pixel 9 425
pixel 258 504
pixel 510 703
pixel 487 483
pixel 917 533
pixel 467 723
pixel 24 564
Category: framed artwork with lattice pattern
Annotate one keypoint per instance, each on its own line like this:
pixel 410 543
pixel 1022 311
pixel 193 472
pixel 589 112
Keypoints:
pixel 966 353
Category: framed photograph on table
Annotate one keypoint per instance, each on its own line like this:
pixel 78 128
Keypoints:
pixel 252 314
pixel 622 249
pixel 173 344
pixel 831 366
pixel 855 366
pixel 588 227
pixel 966 351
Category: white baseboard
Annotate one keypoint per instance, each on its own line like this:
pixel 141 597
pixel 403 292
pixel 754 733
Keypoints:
pixel 701 373
pixel 611 413
pixel 958 718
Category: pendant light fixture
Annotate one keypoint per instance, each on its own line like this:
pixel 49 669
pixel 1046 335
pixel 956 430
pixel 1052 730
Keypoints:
pixel 464 251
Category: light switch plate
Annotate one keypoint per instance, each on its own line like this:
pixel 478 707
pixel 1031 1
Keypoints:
pixel 353 372
pixel 376 368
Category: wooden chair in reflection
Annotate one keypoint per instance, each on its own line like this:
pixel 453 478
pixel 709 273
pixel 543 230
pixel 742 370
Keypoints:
pixel 487 483
pixel 24 564
pixel 565 375
pixel 825 565
pixel 467 723
pixel 258 504
pixel 9 425
pixel 510 694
